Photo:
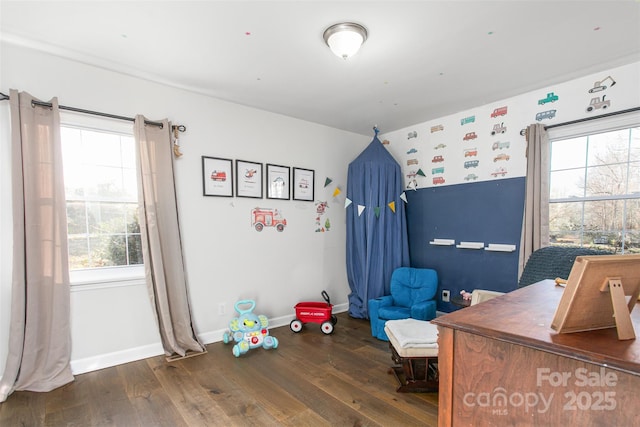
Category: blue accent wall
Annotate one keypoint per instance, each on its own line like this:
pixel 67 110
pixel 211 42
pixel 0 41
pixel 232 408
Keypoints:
pixel 489 212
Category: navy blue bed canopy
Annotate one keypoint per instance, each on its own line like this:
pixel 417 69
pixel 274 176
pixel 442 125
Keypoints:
pixel 377 241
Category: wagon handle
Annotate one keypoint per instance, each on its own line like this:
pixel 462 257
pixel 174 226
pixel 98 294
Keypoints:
pixel 325 295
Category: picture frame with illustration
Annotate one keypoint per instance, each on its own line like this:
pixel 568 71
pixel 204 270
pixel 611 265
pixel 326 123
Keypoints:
pixel 303 184
pixel 278 182
pixel 248 179
pixel 217 176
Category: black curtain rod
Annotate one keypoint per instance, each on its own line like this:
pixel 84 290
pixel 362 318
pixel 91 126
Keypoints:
pixel 181 128
pixel 586 119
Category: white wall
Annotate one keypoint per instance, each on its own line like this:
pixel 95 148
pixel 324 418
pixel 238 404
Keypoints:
pixel 226 259
pixel 573 100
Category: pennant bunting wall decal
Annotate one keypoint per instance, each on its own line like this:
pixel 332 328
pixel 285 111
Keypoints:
pixel 336 191
pixel 377 211
pixel 392 205
pixel 360 209
pixel 327 181
pixel 347 202
pixel 420 172
pixel 403 197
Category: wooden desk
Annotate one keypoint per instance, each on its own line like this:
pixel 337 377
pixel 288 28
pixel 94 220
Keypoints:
pixel 501 364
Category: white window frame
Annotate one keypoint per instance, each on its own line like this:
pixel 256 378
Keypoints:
pixel 591 127
pixel 102 277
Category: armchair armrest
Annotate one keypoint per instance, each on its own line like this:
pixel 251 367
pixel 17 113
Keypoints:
pixel 376 303
pixel 374 309
pixel 382 301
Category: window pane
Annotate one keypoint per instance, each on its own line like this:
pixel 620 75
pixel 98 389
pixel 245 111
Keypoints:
pixel 76 218
pixel 106 218
pixel 610 147
pixel 634 153
pixel 78 252
pixel 135 249
pixel 567 237
pixel 103 182
pixel 605 216
pixel 133 225
pixel 102 149
pixel 114 250
pixel 632 222
pixel 565 222
pixel 128 147
pixel 607 180
pixel 569 153
pixel 632 225
pixel 566 183
pixel 98 247
pixel 632 242
pixel 130 185
pixel 634 179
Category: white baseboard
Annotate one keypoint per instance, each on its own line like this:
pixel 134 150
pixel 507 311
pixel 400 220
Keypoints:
pixel 101 361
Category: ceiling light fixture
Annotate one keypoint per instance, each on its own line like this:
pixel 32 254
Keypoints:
pixel 345 39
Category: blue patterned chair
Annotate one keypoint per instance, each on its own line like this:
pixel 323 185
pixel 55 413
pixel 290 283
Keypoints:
pixel 551 262
pixel 413 292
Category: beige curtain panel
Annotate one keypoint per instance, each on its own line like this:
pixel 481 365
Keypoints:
pixel 40 333
pixel 535 224
pixel 161 243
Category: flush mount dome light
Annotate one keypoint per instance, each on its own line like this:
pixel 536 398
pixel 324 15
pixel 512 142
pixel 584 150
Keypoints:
pixel 345 39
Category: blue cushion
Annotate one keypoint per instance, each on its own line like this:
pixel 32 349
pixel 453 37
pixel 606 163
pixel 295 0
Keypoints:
pixel 412 285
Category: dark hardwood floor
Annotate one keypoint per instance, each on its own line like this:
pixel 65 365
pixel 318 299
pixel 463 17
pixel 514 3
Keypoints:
pixel 311 379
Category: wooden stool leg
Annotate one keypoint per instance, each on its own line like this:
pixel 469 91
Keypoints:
pixel 426 368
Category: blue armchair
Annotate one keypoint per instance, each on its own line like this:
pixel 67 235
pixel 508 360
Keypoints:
pixel 413 292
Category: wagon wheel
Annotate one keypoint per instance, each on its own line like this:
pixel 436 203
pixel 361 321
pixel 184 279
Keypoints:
pixel 327 327
pixel 334 319
pixel 296 325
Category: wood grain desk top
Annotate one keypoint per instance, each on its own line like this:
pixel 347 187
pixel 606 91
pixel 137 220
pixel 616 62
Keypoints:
pixel 524 317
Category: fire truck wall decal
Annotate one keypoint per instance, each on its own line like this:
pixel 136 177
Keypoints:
pixel 267 217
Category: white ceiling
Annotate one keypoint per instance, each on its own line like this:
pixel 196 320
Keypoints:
pixel 422 60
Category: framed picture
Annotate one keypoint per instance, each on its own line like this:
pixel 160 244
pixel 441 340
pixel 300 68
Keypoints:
pixel 278 178
pixel 217 177
pixel 303 184
pixel 248 179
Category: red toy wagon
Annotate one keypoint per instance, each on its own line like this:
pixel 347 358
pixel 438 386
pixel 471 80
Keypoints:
pixel 314 312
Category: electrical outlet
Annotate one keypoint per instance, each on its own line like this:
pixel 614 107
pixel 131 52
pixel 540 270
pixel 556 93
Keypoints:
pixel 445 295
pixel 222 308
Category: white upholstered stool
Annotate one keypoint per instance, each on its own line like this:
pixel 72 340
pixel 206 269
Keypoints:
pixel 414 346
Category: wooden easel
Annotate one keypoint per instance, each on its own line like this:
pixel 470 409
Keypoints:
pixel 621 310
pixel 584 305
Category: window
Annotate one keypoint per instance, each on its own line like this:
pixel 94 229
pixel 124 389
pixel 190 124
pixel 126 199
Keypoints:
pixel 102 200
pixel 594 192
